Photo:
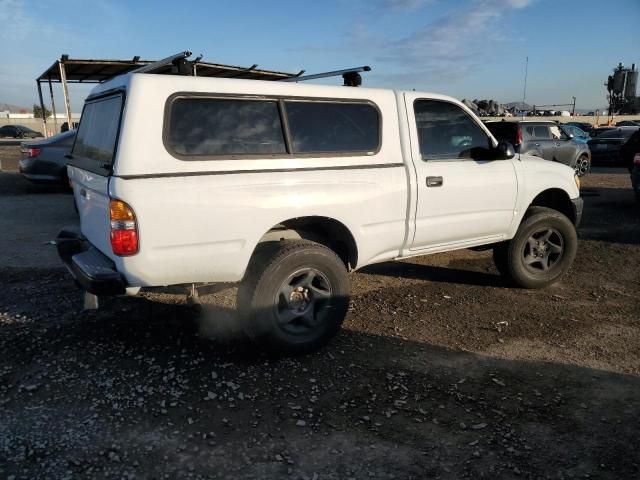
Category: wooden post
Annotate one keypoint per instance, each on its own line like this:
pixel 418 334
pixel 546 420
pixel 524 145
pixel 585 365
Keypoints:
pixel 44 115
pixel 65 92
pixel 53 108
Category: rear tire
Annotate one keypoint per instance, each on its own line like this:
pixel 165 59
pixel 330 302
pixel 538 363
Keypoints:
pixel 294 297
pixel 542 250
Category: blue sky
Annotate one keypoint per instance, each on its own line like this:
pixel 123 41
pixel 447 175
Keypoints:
pixel 466 48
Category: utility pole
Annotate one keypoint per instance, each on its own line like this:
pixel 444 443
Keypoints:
pixel 573 112
pixel 524 92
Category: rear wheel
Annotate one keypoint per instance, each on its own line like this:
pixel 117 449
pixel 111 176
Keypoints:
pixel 542 250
pixel 294 297
pixel 583 165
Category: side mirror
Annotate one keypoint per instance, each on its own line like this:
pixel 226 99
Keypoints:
pixel 505 151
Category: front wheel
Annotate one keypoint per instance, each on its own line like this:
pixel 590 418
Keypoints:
pixel 542 250
pixel 583 165
pixel 294 296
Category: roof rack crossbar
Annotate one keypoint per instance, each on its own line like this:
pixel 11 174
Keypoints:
pixel 162 63
pixel 334 73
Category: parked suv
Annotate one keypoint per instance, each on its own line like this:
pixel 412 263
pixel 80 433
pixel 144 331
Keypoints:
pixel 283 188
pixel 544 139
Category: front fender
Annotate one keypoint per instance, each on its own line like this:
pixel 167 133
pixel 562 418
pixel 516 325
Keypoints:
pixel 537 176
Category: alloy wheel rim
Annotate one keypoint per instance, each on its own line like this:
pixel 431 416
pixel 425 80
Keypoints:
pixel 582 166
pixel 301 301
pixel 543 250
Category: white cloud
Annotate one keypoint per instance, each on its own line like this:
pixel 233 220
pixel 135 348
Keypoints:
pixel 31 40
pixel 450 45
pixel 404 5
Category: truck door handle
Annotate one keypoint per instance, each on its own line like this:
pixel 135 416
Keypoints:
pixel 83 192
pixel 434 181
pixel 537 144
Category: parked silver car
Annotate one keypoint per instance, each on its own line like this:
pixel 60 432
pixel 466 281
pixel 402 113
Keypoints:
pixel 544 139
pixel 44 161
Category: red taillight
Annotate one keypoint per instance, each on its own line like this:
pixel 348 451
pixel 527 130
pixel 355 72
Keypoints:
pixel 124 229
pixel 518 136
pixel 124 242
pixel 636 159
pixel 33 152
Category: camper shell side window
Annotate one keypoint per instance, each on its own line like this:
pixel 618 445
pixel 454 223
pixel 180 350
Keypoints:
pixel 95 144
pixel 210 127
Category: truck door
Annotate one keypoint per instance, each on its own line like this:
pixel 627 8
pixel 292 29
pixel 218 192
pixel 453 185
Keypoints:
pixel 463 196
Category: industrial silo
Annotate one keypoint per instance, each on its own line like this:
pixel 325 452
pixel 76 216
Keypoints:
pixel 632 83
pixel 618 80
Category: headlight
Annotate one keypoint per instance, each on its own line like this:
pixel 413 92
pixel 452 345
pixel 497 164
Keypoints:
pixel 577 180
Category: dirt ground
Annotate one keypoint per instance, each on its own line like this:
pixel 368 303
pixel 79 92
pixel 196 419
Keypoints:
pixel 441 371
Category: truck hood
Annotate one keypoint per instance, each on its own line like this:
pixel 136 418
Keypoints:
pixel 543 174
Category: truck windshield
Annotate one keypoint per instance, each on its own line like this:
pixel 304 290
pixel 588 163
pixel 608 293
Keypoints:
pixel 96 139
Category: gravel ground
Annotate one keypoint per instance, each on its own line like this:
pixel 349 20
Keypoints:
pixel 442 371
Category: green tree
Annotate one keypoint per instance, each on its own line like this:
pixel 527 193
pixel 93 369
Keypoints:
pixel 37 111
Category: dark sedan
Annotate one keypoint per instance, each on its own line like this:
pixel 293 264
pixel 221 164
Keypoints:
pixel 18 131
pixel 606 147
pixel 600 130
pixel 635 176
pixel 630 156
pixel 45 161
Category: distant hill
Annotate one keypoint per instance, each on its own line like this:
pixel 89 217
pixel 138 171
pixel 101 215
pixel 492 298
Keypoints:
pixel 13 108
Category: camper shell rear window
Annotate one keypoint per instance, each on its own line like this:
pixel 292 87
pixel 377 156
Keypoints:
pixel 202 127
pixel 95 144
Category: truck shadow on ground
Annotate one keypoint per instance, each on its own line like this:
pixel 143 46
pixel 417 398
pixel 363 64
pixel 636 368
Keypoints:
pixel 140 381
pixel 438 274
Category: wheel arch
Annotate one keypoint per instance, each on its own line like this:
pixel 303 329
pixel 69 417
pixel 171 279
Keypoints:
pixel 556 199
pixel 324 230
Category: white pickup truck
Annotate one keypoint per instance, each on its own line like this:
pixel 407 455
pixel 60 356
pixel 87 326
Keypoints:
pixel 284 188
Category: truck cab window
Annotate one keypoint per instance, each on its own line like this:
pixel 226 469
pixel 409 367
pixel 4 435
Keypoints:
pixel 446 131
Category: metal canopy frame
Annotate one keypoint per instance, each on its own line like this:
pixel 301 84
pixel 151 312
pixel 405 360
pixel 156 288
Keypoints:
pixel 67 70
pixel 74 70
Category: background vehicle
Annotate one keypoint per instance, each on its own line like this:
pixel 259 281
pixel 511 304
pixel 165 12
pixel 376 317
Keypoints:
pixel 628 123
pixel 635 175
pixel 630 158
pixel 577 133
pixel 584 126
pixel 18 131
pixel 172 188
pixel 597 131
pixel 606 147
pixel 44 160
pixel 543 139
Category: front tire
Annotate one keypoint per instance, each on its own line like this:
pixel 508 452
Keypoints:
pixel 542 250
pixel 583 165
pixel 294 297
